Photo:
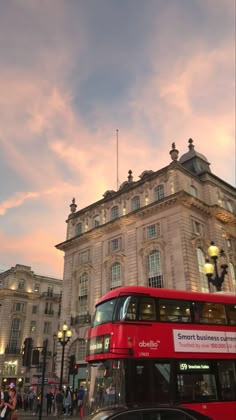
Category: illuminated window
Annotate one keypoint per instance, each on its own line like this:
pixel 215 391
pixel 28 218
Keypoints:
pixel 155 276
pixel 135 203
pixel 36 287
pixel 115 275
pixel 159 192
pixel 114 212
pixel 33 326
pixel 204 286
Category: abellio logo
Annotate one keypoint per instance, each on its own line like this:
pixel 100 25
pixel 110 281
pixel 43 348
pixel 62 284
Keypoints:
pixel 152 345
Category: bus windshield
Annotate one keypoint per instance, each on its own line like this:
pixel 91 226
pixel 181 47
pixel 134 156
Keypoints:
pixel 104 312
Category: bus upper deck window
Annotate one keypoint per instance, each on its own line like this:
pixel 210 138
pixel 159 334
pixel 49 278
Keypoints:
pixel 232 314
pixel 172 310
pixel 212 313
pixel 147 309
pixel 127 308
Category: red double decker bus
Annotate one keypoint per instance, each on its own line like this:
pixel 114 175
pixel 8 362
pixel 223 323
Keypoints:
pixel 152 346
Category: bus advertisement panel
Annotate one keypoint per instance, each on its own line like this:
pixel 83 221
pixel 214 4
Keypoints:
pixel 157 346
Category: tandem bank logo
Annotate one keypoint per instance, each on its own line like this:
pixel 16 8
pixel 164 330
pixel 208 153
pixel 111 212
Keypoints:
pixel 151 345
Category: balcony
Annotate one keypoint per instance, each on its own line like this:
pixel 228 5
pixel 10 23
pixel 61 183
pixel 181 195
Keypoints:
pixel 53 296
pixel 10 349
pixel 49 312
pixel 80 319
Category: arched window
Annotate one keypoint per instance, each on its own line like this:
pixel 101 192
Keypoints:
pixel 232 273
pixel 21 284
pixel 14 341
pixel 204 286
pixel 155 276
pixel 78 228
pixel 193 190
pixel 159 192
pixel 83 294
pixel 114 212
pixel 135 203
pixel 115 275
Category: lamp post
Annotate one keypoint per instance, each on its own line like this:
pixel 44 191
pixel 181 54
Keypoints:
pixel 217 280
pixel 64 335
pixel 54 353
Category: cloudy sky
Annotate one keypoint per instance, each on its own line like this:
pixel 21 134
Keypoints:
pixel 74 71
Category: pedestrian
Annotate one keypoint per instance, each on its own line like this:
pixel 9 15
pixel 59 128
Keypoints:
pixel 59 402
pixel 49 398
pixel 67 401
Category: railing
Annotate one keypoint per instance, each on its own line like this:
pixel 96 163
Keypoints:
pixel 81 319
pixel 51 295
pixel 48 312
pixel 12 350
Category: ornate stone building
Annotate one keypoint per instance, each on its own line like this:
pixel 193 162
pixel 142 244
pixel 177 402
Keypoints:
pixel 154 231
pixel 29 307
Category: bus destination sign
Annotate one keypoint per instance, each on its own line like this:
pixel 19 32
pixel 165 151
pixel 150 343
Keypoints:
pixel 99 345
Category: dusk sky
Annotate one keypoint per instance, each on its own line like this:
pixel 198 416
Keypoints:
pixel 74 71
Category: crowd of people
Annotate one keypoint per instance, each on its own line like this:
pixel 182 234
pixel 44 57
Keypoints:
pixel 58 402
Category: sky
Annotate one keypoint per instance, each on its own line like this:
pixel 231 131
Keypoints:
pixel 72 72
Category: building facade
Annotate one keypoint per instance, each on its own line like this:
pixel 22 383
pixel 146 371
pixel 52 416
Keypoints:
pixel 30 306
pixel 154 231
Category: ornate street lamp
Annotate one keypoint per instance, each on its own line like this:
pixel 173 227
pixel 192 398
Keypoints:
pixel 64 335
pixel 217 280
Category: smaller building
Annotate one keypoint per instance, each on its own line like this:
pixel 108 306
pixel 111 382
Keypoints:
pixel 30 306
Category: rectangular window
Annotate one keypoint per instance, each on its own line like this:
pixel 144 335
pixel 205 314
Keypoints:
pixel 159 192
pixel 83 305
pixel 174 310
pixel 152 231
pixel 197 228
pixel 50 291
pixel 18 307
pixel 135 203
pixel 33 326
pixel 114 212
pixel 147 309
pixel 47 328
pixel 78 228
pixel 232 314
pixel 36 287
pixel 196 382
pixel 114 244
pixel 211 313
pixel 96 220
pixel 227 375
pixel 84 257
pixel 34 309
pixel 21 284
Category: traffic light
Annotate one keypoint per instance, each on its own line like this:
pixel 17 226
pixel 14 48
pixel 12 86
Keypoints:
pixel 72 362
pixel 75 369
pixel 35 357
pixel 27 352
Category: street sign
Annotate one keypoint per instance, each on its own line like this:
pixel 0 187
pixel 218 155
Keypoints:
pixel 40 381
